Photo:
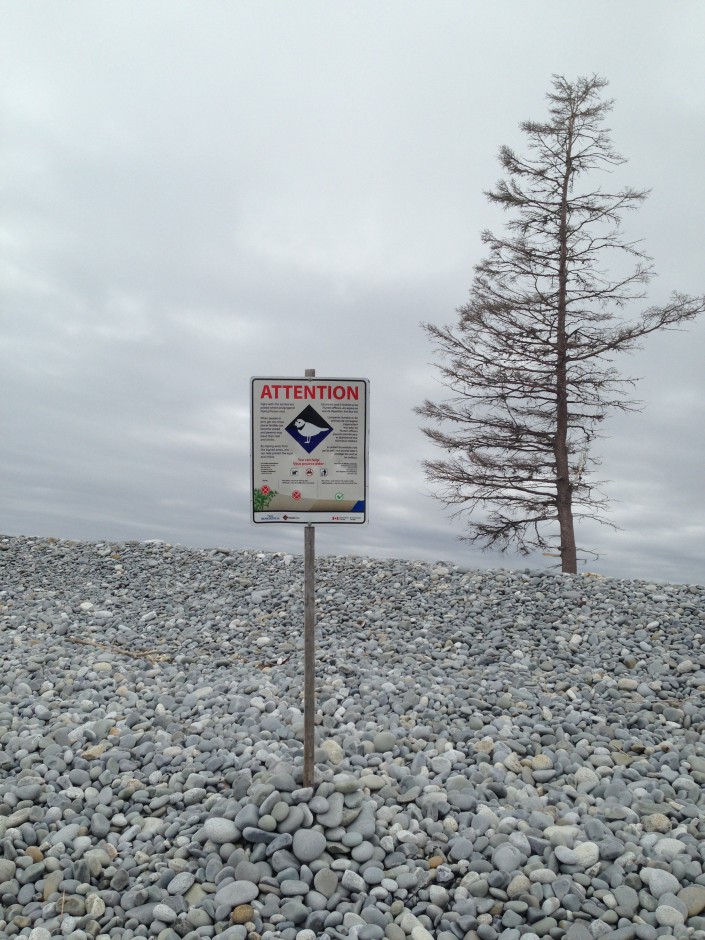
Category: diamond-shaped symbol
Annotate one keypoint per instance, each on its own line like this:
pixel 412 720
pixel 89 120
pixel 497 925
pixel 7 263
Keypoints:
pixel 309 429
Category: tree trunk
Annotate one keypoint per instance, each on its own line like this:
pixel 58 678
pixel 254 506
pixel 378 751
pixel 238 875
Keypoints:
pixel 569 559
pixel 564 488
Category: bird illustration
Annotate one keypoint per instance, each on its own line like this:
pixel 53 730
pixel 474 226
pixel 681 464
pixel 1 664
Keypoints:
pixel 308 430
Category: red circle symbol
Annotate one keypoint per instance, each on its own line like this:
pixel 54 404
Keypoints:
pixel 265 490
pixel 296 494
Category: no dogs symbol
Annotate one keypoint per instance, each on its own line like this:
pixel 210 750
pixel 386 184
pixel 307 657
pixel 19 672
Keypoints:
pixel 309 429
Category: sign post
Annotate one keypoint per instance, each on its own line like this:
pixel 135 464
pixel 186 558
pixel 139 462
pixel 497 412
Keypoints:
pixel 309 465
pixel 309 651
pixel 309 645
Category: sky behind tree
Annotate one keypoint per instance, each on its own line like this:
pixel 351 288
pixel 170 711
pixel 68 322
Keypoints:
pixel 193 194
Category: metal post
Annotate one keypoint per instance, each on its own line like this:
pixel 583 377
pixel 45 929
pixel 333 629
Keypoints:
pixel 309 651
pixel 309 645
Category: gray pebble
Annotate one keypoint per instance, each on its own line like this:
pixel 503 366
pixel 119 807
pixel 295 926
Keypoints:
pixel 308 844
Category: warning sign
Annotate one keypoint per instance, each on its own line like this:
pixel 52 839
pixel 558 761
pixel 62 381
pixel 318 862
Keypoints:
pixel 309 450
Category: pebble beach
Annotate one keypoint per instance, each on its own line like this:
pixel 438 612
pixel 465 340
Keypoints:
pixel 499 754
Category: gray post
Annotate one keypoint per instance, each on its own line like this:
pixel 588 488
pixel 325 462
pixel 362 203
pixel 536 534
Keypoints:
pixel 309 644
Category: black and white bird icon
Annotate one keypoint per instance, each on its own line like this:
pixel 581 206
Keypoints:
pixel 308 430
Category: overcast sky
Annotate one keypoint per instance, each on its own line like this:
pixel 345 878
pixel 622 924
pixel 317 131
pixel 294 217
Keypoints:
pixel 195 193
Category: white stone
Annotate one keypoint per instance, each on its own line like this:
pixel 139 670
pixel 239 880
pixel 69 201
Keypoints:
pixel 412 926
pixel 220 830
pixel 333 751
pixel 562 835
pixel 586 779
pixel 669 848
pixel 668 916
pixel 587 853
pixel 659 881
pixel 95 906
pixel 542 876
pixel 438 895
pixel 164 913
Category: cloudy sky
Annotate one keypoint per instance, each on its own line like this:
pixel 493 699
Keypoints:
pixel 195 193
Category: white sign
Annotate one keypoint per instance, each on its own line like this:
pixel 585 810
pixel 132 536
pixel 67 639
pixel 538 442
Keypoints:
pixel 309 450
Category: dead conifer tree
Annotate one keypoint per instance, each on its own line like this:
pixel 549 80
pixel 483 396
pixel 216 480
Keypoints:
pixel 530 362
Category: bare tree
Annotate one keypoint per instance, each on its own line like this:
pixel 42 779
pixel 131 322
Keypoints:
pixel 530 362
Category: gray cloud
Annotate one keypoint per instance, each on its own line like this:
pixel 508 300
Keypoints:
pixel 191 196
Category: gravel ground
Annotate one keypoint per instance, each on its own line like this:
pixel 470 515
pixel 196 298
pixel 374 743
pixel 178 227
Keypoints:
pixel 500 754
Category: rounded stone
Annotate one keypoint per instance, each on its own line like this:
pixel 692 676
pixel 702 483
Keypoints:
pixel 280 811
pixel 656 822
pixel 308 845
pixel 668 916
pixel 268 823
pixel 95 906
pixel 669 848
pixel 333 751
pixel 507 858
pixel 220 830
pixel 384 741
pixel 519 884
pixel 325 881
pixel 242 914
pixel 693 896
pixel 460 848
pixel 346 783
pixel 372 875
pixel 236 893
pixel 659 881
pixel 164 913
pixel 181 883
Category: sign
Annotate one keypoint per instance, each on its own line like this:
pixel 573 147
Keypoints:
pixel 309 450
